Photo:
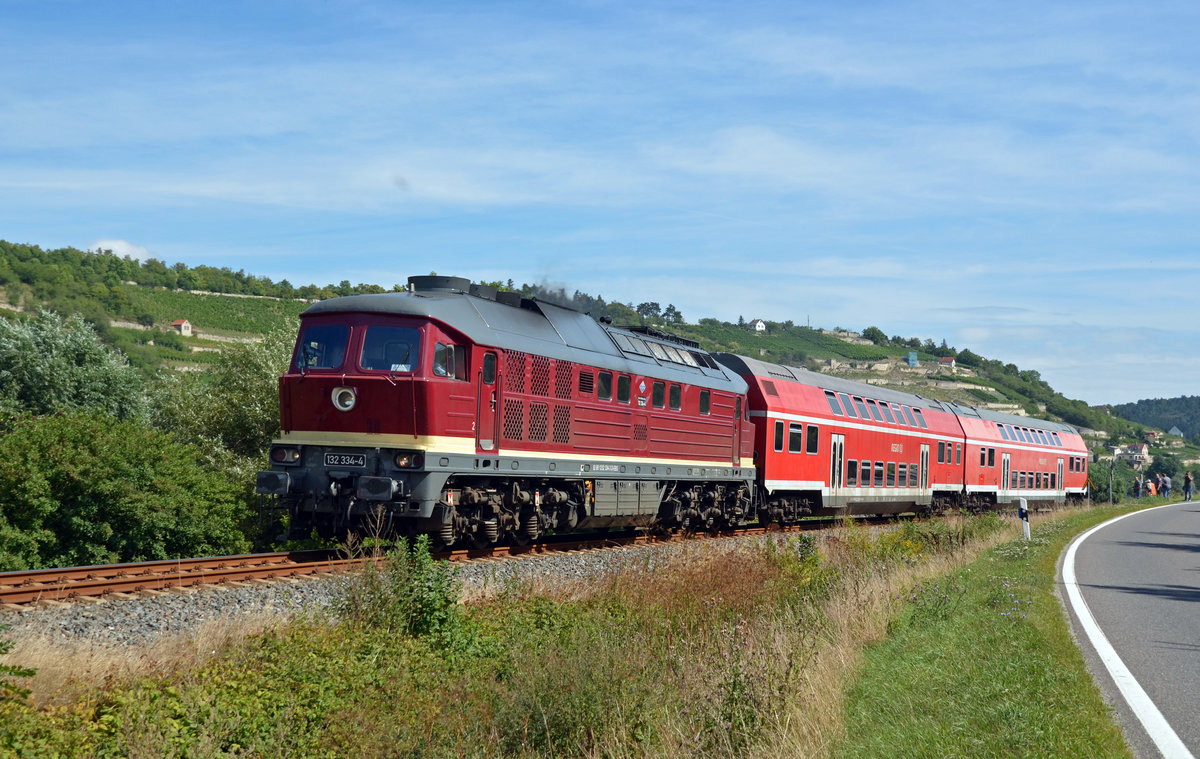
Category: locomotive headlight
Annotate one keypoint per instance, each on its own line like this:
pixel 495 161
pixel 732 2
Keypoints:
pixel 344 398
pixel 282 454
pixel 405 460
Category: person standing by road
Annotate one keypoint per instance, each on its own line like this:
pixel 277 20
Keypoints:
pixel 1187 486
pixel 1165 488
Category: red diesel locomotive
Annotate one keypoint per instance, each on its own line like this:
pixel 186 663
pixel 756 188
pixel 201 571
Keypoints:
pixel 478 417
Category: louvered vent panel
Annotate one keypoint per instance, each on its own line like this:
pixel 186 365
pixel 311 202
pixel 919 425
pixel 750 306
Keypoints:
pixel 538 415
pixel 539 379
pixel 587 383
pixel 514 375
pixel 562 424
pixel 563 371
pixel 514 419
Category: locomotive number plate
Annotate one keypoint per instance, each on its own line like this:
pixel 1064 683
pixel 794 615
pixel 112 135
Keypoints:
pixel 346 459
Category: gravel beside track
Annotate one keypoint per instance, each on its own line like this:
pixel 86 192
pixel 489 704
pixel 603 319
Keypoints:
pixel 136 621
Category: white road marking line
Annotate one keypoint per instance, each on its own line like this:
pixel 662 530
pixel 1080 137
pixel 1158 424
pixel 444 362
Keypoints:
pixel 1152 720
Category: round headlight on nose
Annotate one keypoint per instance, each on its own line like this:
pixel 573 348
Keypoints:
pixel 344 398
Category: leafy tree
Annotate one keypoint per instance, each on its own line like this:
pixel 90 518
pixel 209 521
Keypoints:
pixel 969 359
pixel 78 490
pixel 875 335
pixel 1168 464
pixel 236 404
pixel 672 315
pixel 49 364
pixel 650 310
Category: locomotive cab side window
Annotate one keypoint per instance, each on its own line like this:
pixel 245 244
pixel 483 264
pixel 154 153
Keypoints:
pixel 322 346
pixel 445 361
pixel 489 368
pixel 705 402
pixel 658 396
pixel 676 398
pixel 624 383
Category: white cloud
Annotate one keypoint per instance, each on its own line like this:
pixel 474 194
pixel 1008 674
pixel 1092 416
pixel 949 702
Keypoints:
pixel 122 248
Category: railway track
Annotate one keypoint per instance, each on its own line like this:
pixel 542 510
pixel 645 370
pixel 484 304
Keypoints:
pixel 117 581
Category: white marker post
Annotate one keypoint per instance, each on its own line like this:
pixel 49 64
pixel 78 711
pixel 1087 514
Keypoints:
pixel 1023 513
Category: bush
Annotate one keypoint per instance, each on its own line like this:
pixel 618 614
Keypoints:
pixel 90 490
pixel 410 594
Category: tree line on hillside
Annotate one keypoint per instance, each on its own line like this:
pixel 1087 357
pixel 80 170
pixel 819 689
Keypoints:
pixel 1165 413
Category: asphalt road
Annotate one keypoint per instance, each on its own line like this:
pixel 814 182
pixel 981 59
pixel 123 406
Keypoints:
pixel 1140 577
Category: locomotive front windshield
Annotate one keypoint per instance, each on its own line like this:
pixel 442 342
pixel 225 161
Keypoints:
pixel 322 346
pixel 391 349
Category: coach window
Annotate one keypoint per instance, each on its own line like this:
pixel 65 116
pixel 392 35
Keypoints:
pixel 941 452
pixel 1042 435
pixel 909 415
pixel 1053 480
pixel 1003 433
pixel 445 363
pixel 812 438
pixel 878 474
pixel 866 473
pixel 834 406
pixel 901 474
pixel 848 405
pixel 912 475
pixel 623 385
pixel 982 456
pixel 874 410
pixel 899 414
pixel 705 402
pixel 1056 440
pixel 676 398
pixel 778 436
pixel 604 386
pixel 852 473
pixel 920 418
pixel 991 457
pixel 795 437
pixel 658 396
pixel 322 346
pixel 957 453
pixel 891 475
pixel 887 412
pixel 1037 478
pixel 862 408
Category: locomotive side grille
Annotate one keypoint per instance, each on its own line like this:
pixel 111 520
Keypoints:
pixel 562 424
pixel 514 374
pixel 587 383
pixel 514 419
pixel 639 432
pixel 538 413
pixel 539 381
pixel 563 371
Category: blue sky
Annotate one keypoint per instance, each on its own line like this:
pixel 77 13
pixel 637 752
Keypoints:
pixel 1016 178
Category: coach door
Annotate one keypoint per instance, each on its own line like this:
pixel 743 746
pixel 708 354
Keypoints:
pixel 485 422
pixel 925 466
pixel 837 467
pixel 1004 475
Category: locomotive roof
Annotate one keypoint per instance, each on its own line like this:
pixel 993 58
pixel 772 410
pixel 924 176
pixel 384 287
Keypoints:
pixel 544 329
pixel 745 365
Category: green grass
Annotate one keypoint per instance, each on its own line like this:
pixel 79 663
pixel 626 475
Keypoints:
pixel 981 663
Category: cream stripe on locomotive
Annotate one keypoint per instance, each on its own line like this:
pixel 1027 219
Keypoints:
pixel 466 446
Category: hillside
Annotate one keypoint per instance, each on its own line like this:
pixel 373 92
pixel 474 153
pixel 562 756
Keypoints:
pixel 1165 413
pixel 133 303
